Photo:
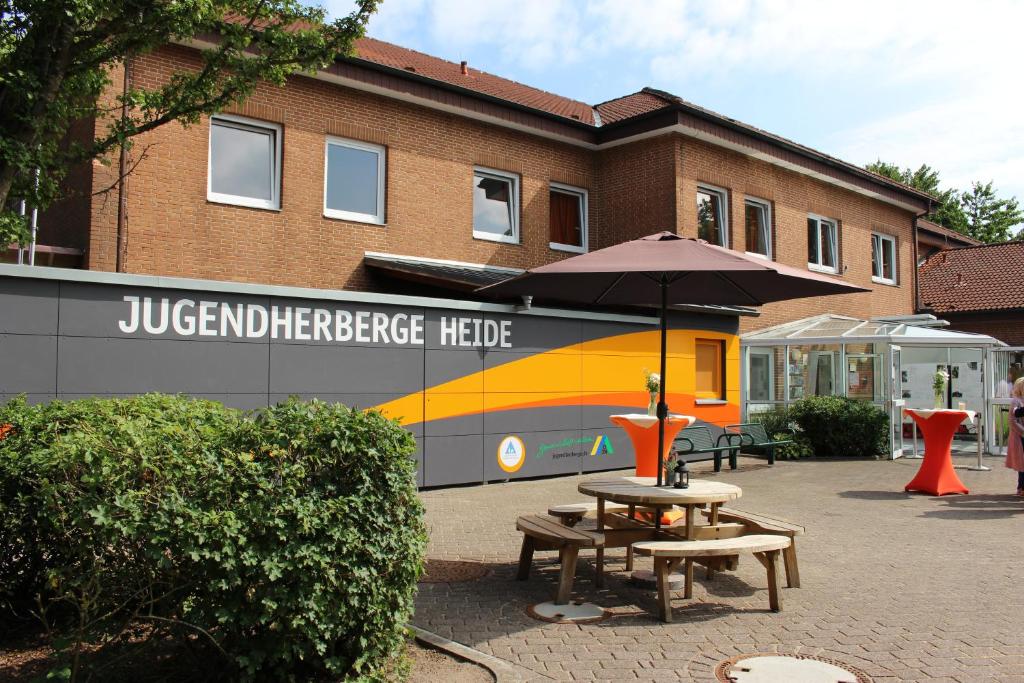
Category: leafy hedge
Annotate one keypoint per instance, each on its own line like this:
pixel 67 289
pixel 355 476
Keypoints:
pixel 840 426
pixel 289 541
pixel 779 425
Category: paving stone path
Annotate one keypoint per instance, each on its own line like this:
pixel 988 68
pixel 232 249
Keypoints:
pixel 902 587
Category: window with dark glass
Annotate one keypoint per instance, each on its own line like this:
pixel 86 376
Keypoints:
pixel 712 224
pixel 568 218
pixel 757 215
pixel 495 205
pixel 883 258
pixel 821 243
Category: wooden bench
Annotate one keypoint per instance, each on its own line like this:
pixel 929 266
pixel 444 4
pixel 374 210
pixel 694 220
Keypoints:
pixel 698 441
pixel 574 513
pixel 668 554
pixel 754 435
pixel 542 533
pixel 762 524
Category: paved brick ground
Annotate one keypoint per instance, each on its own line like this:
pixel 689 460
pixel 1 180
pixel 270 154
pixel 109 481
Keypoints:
pixel 906 588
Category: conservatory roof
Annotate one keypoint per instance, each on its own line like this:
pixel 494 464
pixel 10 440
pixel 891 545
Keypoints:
pixel 840 329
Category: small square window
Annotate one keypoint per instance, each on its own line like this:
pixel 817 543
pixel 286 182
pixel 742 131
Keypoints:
pixel 712 215
pixel 710 369
pixel 495 205
pixel 244 162
pixel 757 215
pixel 822 238
pixel 568 218
pixel 883 259
pixel 354 181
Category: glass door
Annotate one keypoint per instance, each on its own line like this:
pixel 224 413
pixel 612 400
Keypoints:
pixel 1007 365
pixel 896 402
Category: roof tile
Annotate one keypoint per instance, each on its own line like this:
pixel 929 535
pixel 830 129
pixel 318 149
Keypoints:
pixel 973 279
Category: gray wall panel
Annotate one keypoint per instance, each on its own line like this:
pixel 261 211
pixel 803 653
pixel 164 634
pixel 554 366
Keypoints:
pixel 144 365
pixel 297 368
pixel 559 418
pixel 28 363
pixel 445 365
pixel 32 399
pixel 398 326
pixel 452 460
pixel 620 455
pixel 28 306
pixel 546 453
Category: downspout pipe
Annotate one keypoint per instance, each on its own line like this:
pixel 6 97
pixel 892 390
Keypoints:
pixel 917 284
pixel 122 190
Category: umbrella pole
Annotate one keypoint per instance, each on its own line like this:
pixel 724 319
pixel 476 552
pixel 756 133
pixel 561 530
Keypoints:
pixel 662 407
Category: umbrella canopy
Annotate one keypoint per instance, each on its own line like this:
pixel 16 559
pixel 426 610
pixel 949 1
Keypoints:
pixel 666 269
pixel 693 272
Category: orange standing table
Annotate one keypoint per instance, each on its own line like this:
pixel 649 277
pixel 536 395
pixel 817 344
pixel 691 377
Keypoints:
pixel 937 475
pixel 643 432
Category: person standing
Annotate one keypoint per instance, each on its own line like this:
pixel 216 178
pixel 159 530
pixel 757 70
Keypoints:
pixel 1015 447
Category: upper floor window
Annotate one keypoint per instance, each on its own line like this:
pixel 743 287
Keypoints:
pixel 883 259
pixel 758 219
pixel 495 205
pixel 568 218
pixel 244 162
pixel 354 181
pixel 822 238
pixel 712 215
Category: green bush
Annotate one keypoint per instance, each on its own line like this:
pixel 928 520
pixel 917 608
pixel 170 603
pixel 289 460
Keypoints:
pixel 839 426
pixel 287 541
pixel 779 425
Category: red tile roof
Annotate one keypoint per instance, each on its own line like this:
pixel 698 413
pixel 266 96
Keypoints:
pixel 386 54
pixel 980 278
pixel 628 106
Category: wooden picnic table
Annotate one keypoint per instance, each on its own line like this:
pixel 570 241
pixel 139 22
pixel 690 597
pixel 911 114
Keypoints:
pixel 642 491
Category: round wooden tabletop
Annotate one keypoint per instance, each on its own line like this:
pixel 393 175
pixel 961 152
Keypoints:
pixel 642 491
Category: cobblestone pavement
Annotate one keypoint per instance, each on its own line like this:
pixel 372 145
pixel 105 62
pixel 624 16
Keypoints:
pixel 902 587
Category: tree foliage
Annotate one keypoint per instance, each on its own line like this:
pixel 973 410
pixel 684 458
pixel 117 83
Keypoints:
pixel 284 545
pixel 977 212
pixel 57 58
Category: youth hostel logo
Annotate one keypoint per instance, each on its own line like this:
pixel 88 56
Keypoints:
pixel 511 454
pixel 602 446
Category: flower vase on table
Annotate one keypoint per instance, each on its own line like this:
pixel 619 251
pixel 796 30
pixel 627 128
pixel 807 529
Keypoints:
pixel 939 386
pixel 652 382
pixel 652 406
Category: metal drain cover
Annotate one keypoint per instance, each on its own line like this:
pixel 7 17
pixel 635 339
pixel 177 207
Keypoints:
pixel 767 668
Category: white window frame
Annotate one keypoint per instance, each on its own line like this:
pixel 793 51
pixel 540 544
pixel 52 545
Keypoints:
pixel 503 175
pixel 381 152
pixel 881 239
pixel 584 227
pixel 767 206
pixel 274 203
pixel 723 201
pixel 835 244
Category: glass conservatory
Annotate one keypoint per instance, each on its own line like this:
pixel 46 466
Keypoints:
pixel 891 362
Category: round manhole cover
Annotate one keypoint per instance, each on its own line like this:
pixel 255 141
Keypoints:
pixel 768 668
pixel 451 571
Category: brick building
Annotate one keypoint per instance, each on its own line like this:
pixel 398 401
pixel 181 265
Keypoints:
pixel 378 172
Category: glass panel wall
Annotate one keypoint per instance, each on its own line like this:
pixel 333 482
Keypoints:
pixel 814 371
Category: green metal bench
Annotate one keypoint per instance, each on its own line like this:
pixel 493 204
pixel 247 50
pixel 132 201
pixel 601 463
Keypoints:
pixel 754 435
pixel 698 440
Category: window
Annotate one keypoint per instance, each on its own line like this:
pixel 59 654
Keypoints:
pixel 883 259
pixel 710 368
pixel 495 205
pixel 568 218
pixel 712 216
pixel 245 162
pixel 758 220
pixel 354 181
pixel 760 375
pixel 821 244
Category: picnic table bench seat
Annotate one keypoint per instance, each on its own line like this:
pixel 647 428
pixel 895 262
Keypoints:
pixel 669 554
pixel 544 533
pixel 699 441
pixel 754 435
pixel 756 523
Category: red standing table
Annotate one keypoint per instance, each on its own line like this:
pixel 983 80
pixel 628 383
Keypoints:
pixel 643 432
pixel 937 475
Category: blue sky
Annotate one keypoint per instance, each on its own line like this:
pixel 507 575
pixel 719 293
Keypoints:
pixel 910 82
